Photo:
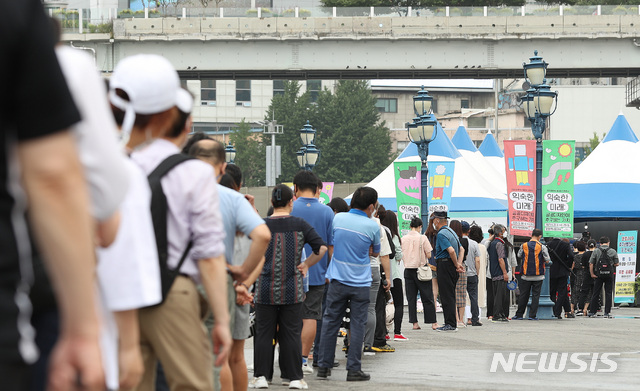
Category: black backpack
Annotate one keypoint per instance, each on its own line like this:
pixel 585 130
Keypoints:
pixel 604 264
pixel 159 211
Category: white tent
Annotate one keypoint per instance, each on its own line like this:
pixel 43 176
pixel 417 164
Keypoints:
pixel 607 182
pixel 491 151
pixel 495 178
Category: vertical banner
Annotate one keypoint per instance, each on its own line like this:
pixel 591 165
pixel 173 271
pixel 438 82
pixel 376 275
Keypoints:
pixel 558 160
pixel 407 180
pixel 440 185
pixel 326 194
pixel 520 166
pixel 626 270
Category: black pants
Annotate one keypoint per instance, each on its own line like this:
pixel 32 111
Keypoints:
pixel 289 320
pixel 489 289
pixel 608 294
pixel 472 290
pixel 316 341
pixel 526 288
pixel 15 376
pixel 558 285
pixel 398 305
pixel 500 299
pixel 413 286
pixel 447 280
pixel 380 333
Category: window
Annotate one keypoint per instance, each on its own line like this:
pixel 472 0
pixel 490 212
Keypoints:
pixel 314 87
pixel 208 90
pixel 477 122
pixel 434 105
pixel 387 105
pixel 401 145
pixel 278 87
pixel 243 90
pixel 464 104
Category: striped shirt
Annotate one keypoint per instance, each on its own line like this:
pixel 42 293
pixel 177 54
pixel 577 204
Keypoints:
pixel 280 282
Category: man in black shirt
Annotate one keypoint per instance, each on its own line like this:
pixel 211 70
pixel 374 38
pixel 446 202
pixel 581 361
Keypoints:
pixel 35 110
pixel 562 258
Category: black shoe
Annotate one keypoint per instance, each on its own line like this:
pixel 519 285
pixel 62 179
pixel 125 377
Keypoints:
pixel 356 376
pixel 476 323
pixel 569 315
pixel 324 372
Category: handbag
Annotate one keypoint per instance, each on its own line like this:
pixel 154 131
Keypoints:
pixel 424 272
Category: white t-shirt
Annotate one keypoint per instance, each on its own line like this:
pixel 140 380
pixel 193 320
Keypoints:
pixel 385 248
pixel 96 134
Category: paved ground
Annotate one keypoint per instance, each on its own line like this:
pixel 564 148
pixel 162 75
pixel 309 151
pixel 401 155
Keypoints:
pixel 462 360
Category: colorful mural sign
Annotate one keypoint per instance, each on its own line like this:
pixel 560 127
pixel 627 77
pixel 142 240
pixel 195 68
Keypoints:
pixel 326 193
pixel 558 160
pixel 520 166
pixel 440 185
pixel 626 270
pixel 407 175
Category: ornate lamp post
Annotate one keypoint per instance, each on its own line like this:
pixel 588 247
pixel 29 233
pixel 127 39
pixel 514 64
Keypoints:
pixel 229 153
pixel 308 154
pixel 422 131
pixel 537 104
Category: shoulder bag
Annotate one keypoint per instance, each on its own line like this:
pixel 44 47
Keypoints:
pixel 424 272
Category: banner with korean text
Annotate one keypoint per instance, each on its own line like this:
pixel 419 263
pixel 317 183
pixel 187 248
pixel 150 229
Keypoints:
pixel 626 270
pixel 558 161
pixel 440 186
pixel 520 166
pixel 326 194
pixel 407 180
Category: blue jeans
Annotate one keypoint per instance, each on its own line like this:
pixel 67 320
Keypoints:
pixel 316 341
pixel 472 290
pixel 338 297
pixel 371 311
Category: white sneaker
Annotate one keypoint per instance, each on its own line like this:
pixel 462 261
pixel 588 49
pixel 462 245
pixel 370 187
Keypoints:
pixel 258 382
pixel 298 385
pixel 306 369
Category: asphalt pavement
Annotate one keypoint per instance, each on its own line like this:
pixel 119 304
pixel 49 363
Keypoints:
pixel 463 360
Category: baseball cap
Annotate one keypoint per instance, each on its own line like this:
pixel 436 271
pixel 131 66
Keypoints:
pixel 152 84
pixel 440 215
pixel 465 225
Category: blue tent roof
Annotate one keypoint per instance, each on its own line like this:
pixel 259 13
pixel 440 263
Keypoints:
pixel 621 130
pixel 489 147
pixel 589 202
pixel 440 146
pixel 461 140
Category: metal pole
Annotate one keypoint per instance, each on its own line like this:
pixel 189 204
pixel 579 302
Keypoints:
pixel 273 158
pixel 424 181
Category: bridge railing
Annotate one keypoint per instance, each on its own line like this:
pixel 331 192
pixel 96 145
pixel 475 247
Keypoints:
pixel 99 20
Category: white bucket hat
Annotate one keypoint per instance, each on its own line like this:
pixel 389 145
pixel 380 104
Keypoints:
pixel 153 86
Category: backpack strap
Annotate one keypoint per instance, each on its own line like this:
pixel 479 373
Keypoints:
pixel 159 208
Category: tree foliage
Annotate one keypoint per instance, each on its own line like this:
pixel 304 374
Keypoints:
pixel 250 154
pixel 355 144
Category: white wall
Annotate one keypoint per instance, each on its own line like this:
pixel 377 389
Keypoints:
pixel 583 110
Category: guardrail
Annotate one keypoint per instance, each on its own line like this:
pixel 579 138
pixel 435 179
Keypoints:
pixel 99 20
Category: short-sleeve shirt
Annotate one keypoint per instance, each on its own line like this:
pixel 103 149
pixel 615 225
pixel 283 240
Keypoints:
pixel 237 215
pixel 470 259
pixel 320 217
pixel 385 247
pixel 446 238
pixel 35 103
pixel 353 234
pixel 595 256
pixel 280 282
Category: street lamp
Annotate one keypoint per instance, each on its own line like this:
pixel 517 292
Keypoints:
pixel 308 154
pixel 422 131
pixel 229 153
pixel 537 104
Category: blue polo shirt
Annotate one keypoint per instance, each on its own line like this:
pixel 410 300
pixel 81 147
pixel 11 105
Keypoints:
pixel 237 216
pixel 320 217
pixel 446 238
pixel 353 233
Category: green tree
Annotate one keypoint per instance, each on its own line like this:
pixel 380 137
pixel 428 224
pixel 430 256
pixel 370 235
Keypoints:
pixel 355 144
pixel 291 110
pixel 250 154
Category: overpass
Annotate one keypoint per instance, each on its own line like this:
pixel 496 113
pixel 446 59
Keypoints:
pixel 375 47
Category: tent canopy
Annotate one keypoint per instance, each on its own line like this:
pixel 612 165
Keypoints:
pixel 607 182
